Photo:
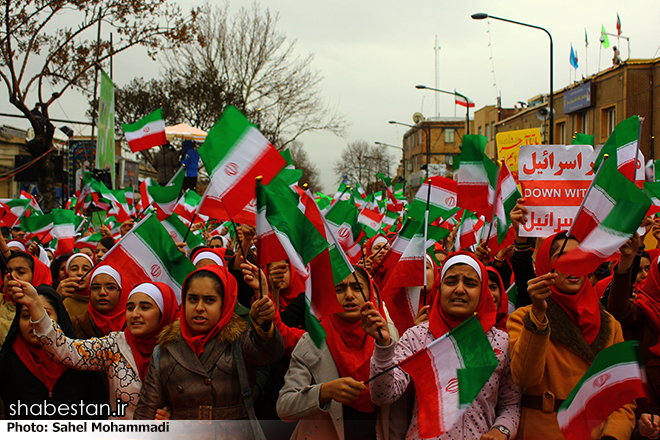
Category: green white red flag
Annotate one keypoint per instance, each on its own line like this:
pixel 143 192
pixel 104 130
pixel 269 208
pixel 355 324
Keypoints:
pixel 612 211
pixel 89 242
pixel 466 236
pixel 442 199
pixel 477 177
pixel 39 226
pixel 65 224
pixel 147 132
pixel 401 242
pixel 507 197
pixel 187 205
pixel 148 253
pixel 235 153
pixel 164 198
pixel 371 221
pixel 623 148
pixel 614 379
pixel 448 374
pixel 12 211
pixel 180 233
pixel 342 218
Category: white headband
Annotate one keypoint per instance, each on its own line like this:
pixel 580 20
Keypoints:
pixel 152 291
pixel 107 270
pixel 377 240
pixel 206 255
pixel 429 259
pixel 461 259
pixel 79 254
pixel 16 244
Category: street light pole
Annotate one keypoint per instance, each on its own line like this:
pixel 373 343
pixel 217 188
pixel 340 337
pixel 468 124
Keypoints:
pixel 455 93
pixel 428 142
pixel 483 15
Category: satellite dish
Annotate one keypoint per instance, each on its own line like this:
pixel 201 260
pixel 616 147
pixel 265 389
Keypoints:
pixel 418 117
pixel 29 135
pixel 543 114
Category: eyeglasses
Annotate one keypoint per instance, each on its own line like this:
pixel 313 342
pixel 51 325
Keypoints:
pixel 109 288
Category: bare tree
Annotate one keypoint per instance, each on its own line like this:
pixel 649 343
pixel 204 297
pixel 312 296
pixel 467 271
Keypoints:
pixel 273 86
pixel 361 162
pixel 40 52
pixel 302 162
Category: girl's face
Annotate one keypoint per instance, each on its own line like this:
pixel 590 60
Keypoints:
pixel 460 291
pixel 350 297
pixel 19 268
pixel 568 284
pixel 494 289
pixel 100 251
pixel 104 293
pixel 61 272
pixel 25 325
pixel 142 315
pixel 79 266
pixel 203 305
pixel 644 267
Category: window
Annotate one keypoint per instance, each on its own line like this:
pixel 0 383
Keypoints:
pixel 481 131
pixel 488 131
pixel 580 124
pixel 560 133
pixel 449 135
pixel 492 131
pixel 607 121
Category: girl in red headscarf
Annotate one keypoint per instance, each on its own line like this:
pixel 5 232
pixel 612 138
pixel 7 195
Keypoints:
pixel 500 297
pixel 196 369
pixel 462 292
pixel 554 341
pixel 324 388
pixel 122 355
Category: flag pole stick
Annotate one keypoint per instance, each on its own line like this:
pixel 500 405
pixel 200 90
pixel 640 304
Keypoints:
pixel 639 136
pixel 497 190
pixel 363 297
pixel 387 370
pixel 591 185
pixel 256 192
pixel 185 237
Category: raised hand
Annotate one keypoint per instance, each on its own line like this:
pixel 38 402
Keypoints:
pixel 343 390
pixel 372 321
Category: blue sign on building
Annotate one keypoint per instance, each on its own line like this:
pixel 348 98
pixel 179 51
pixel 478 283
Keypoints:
pixel 578 98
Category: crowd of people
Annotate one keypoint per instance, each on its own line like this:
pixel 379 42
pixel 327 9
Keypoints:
pixel 237 346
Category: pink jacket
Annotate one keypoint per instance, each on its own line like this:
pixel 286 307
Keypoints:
pixel 497 404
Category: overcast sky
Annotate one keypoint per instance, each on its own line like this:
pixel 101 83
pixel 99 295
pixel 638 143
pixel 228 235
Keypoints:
pixel 371 54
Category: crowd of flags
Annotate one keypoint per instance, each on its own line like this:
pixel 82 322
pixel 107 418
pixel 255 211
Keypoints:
pixel 323 236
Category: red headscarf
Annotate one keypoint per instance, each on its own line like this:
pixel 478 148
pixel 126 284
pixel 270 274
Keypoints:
pixel 503 308
pixel 230 291
pixel 441 322
pixel 115 319
pixel 583 306
pixel 218 252
pixel 370 243
pixel 143 346
pixel 648 299
pixel 351 348
pixel 38 362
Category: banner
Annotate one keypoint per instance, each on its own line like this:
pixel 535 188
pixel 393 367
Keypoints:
pixel 105 153
pixel 554 180
pixel 509 143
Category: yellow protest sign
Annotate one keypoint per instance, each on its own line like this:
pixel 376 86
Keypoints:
pixel 509 143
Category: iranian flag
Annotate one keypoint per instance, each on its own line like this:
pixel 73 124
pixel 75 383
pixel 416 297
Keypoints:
pixel 448 374
pixel 614 379
pixel 652 189
pixel 65 224
pixel 235 153
pixel 371 221
pixel 623 148
pixel 410 269
pixel 442 199
pixel 342 218
pixel 117 198
pixel 289 174
pixel 39 226
pixel 477 177
pixel 612 211
pixel 163 197
pixel 12 211
pixel 507 196
pixel 463 101
pixel 148 253
pixel 466 236
pixel 401 242
pixel 187 205
pixel 147 132
pixel 90 241
pixel 178 230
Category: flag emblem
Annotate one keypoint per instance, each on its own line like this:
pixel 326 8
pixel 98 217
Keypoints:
pixel 602 379
pixel 343 232
pixel 231 169
pixel 156 271
pixel 452 386
pixel 450 201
